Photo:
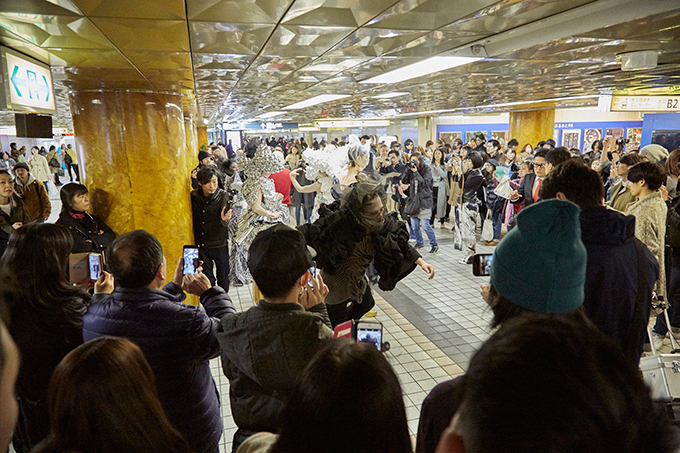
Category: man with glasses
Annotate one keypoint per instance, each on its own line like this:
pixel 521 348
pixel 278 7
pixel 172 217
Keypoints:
pixel 620 196
pixel 528 190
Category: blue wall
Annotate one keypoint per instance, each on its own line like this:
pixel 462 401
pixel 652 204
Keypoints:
pixel 659 121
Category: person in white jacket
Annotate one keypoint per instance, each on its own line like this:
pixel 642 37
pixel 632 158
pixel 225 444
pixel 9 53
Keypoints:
pixel 39 168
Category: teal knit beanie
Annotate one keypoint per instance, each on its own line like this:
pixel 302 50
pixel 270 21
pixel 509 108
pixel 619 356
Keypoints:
pixel 541 264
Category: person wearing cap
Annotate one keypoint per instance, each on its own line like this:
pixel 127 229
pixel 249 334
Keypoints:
pixel 177 339
pixel 265 348
pixel 204 159
pixel 621 270
pixel 36 201
pixel 539 267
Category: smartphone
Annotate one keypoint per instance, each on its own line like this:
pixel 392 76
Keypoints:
pixel 95 261
pixel 481 264
pixel 190 254
pixel 370 332
pixel 312 270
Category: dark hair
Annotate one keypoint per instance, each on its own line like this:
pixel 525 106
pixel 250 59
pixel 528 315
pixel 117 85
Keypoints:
pixel 227 165
pixel 206 173
pixel 250 148
pixel 599 145
pixel 513 142
pixel 441 158
pixel 475 158
pixel 429 143
pixel 578 183
pixel 68 192
pixel 134 259
pixel 102 398
pixel 542 152
pixel 347 400
pixel 557 156
pixel 653 174
pixel 494 143
pixel 408 142
pixel 393 152
pixel 467 148
pixel 537 363
pixel 5 172
pixel 631 159
pixel 34 279
pixel 458 141
pixel 550 142
pixel 529 164
pixel 365 137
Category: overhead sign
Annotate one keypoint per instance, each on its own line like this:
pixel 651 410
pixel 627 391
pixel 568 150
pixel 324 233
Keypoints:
pixel 27 84
pixel 646 103
pixel 270 126
pixel 352 123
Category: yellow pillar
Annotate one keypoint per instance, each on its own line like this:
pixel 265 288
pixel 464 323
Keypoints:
pixel 202 133
pixel 532 126
pixel 191 143
pixel 134 162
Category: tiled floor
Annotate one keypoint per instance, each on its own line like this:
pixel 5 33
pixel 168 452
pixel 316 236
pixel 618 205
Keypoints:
pixel 433 327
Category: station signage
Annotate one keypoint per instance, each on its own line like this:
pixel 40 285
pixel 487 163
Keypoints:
pixel 342 124
pixel 27 84
pixel 645 103
pixel 263 126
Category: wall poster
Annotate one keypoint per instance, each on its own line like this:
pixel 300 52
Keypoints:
pixel 589 137
pixel 449 137
pixel 571 138
pixel 634 136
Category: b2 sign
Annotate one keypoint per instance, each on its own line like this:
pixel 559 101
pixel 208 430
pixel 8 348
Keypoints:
pixel 28 84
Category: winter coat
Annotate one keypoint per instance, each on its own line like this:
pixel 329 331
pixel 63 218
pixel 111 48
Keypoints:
pixel 178 340
pixel 39 168
pixel 264 351
pixel 36 202
pixel 440 179
pixel 53 155
pixel 620 197
pixel 650 227
pixel 473 186
pixel 423 178
pixel 43 337
pixel 85 232
pixel 7 164
pixel 611 287
pixel 210 231
pixel 17 214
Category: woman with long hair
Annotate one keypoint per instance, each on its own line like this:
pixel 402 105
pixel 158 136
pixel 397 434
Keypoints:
pixel 418 177
pixel 45 317
pixel 90 234
pixel 673 173
pixel 440 187
pixel 102 399
pixel 347 400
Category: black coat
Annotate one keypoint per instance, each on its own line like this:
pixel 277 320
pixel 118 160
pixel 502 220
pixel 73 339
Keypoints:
pixel 525 190
pixel 43 337
pixel 423 178
pixel 85 231
pixel 612 277
pixel 473 186
pixel 210 231
pixel 178 340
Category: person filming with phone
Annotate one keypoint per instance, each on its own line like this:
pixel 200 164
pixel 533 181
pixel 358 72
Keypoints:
pixel 177 339
pixel 265 348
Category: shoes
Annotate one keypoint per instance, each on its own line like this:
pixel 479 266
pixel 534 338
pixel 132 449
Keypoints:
pixel 419 246
pixel 466 260
pixel 371 314
pixel 658 341
pixel 434 249
pixel 491 243
pixel 442 225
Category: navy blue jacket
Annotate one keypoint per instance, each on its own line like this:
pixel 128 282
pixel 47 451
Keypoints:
pixel 612 276
pixel 178 340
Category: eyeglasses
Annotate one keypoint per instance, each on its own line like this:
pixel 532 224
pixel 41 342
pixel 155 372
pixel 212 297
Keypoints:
pixel 539 165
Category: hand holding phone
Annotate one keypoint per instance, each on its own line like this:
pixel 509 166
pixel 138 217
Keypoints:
pixel 481 264
pixel 369 332
pixel 314 295
pixel 95 262
pixel 190 255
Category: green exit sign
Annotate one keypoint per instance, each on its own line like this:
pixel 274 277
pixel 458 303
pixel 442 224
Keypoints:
pixel 27 83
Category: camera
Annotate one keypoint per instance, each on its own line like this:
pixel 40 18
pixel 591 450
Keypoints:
pixel 412 165
pixel 302 164
pixel 622 141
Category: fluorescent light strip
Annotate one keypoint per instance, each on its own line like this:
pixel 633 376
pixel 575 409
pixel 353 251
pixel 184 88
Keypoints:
pixel 320 99
pixel 507 104
pixel 421 68
pixel 390 95
pixel 270 115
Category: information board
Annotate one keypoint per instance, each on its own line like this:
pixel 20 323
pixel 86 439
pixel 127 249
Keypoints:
pixel 27 84
pixel 645 103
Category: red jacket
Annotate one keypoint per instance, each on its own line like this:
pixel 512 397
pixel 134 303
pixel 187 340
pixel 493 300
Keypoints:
pixel 282 184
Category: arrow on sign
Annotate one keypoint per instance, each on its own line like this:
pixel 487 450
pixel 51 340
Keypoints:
pixel 16 81
pixel 45 88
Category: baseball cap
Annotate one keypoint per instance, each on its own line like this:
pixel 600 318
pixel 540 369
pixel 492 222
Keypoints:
pixel 279 254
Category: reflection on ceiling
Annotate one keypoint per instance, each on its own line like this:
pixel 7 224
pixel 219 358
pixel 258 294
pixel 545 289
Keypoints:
pixel 239 59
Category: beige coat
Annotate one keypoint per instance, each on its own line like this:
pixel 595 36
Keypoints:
pixel 49 156
pixel 650 227
pixel 39 168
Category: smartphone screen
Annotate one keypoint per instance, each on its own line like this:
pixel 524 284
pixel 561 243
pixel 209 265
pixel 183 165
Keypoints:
pixel 370 332
pixel 190 259
pixel 312 270
pixel 481 264
pixel 95 266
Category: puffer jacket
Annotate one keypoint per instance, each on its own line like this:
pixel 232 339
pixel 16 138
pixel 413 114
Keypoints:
pixel 423 179
pixel 178 340
pixel 264 350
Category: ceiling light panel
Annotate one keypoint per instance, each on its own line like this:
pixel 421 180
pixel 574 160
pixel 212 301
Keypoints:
pixel 421 68
pixel 390 95
pixel 320 99
pixel 270 115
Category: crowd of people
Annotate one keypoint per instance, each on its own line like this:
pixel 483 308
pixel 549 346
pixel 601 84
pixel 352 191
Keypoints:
pixel 591 245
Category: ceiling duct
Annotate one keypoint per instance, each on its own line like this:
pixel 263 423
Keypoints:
pixel 636 61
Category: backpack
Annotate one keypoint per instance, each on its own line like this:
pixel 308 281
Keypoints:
pixel 67 159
